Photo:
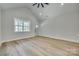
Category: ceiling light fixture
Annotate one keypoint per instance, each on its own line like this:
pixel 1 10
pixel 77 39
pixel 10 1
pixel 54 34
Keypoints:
pixel 62 4
pixel 40 4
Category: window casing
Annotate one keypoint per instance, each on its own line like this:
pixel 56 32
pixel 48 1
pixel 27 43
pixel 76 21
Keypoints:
pixel 22 26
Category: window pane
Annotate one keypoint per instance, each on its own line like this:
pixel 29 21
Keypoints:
pixel 20 28
pixel 21 25
pixel 16 26
pixel 16 29
pixel 26 23
pixel 26 28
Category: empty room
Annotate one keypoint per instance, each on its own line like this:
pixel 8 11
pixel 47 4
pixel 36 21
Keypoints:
pixel 39 29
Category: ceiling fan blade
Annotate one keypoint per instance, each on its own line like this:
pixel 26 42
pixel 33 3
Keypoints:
pixel 34 4
pixel 42 5
pixel 38 5
pixel 46 3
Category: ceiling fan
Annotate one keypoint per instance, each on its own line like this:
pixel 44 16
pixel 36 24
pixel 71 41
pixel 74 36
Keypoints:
pixel 40 4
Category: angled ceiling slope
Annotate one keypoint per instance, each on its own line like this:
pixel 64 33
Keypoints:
pixel 43 14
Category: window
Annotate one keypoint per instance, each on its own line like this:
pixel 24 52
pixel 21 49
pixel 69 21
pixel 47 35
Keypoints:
pixel 21 25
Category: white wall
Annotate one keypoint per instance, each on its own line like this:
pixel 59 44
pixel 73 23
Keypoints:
pixel 8 23
pixel 64 26
pixel 0 26
pixel 62 22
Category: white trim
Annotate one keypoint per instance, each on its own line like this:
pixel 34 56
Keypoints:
pixel 55 37
pixel 15 39
pixel 61 38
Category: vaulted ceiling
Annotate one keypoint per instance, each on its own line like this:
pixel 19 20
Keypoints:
pixel 48 12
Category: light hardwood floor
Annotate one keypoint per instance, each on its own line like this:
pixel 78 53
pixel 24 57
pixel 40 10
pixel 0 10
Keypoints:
pixel 39 46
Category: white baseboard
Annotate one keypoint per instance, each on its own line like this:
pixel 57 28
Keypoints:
pixel 15 39
pixel 62 38
pixel 66 39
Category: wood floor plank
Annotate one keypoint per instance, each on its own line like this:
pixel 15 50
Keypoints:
pixel 39 46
